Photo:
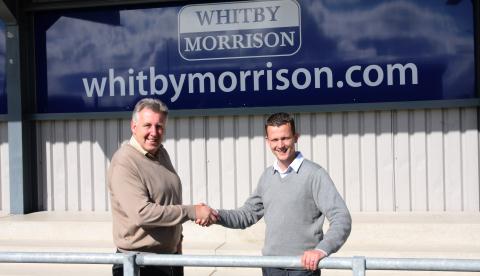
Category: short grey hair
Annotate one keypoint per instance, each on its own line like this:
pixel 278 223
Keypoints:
pixel 153 104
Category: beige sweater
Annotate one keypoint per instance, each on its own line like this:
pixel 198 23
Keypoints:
pixel 146 200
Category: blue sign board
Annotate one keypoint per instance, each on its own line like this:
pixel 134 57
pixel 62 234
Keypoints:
pixel 3 92
pixel 255 54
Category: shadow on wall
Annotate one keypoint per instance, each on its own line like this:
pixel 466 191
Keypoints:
pixel 73 156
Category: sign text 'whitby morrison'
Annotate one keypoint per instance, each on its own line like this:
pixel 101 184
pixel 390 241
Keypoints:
pixel 239 30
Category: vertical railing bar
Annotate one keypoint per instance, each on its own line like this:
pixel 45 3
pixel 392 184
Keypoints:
pixel 358 266
pixel 130 268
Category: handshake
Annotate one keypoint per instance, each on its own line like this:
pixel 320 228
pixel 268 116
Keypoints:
pixel 204 215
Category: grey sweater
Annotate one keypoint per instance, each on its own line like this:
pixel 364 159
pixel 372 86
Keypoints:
pixel 294 209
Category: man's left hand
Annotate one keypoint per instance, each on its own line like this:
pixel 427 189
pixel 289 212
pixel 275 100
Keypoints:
pixel 311 258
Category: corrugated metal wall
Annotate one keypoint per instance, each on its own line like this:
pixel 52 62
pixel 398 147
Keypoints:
pixel 4 167
pixel 411 160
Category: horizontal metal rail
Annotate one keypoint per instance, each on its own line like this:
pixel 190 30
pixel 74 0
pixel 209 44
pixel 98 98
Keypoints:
pixel 237 261
pixel 464 265
pixel 358 265
pixel 60 257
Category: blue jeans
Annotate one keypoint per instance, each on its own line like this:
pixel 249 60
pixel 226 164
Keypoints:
pixel 270 271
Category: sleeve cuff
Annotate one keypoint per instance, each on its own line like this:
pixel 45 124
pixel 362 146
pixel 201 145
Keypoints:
pixel 190 209
pixel 323 251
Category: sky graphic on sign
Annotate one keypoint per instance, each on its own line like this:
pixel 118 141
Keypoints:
pixel 338 52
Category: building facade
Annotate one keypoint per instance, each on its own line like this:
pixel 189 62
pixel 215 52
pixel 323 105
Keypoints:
pixel 398 131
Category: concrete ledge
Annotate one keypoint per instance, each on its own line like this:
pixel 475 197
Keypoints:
pixel 57 246
pixel 224 241
pixel 69 226
pixel 442 235
pixel 55 269
pixel 414 235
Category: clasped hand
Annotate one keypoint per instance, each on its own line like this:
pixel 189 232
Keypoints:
pixel 204 215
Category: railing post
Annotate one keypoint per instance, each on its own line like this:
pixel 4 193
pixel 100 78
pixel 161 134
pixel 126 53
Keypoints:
pixel 130 268
pixel 358 266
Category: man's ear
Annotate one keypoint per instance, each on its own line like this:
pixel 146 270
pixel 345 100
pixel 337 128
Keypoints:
pixel 295 137
pixel 133 126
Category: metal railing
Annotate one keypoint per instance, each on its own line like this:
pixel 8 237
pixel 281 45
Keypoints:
pixel 130 262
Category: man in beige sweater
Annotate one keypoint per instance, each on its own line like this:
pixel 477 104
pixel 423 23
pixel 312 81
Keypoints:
pixel 146 192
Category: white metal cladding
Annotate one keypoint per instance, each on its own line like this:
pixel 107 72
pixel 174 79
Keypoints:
pixel 4 169
pixel 408 160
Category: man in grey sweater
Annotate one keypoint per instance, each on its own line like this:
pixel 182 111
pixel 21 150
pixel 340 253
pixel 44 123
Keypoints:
pixel 295 195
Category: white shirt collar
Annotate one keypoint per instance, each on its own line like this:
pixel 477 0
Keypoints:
pixel 295 165
pixel 134 143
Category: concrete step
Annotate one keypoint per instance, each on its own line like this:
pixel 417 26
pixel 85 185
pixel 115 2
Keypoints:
pixel 441 235
pixel 78 270
pixel 415 232
pixel 400 235
pixel 68 226
pixel 54 269
pixel 105 270
pixel 334 272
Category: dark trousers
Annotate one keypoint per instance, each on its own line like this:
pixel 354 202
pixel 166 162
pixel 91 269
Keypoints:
pixel 270 271
pixel 117 270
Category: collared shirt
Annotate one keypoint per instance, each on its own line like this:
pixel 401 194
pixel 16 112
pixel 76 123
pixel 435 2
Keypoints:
pixel 294 166
pixel 134 143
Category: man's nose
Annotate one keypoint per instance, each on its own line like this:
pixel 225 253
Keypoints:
pixel 153 131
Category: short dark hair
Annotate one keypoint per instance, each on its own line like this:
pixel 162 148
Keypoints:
pixel 153 104
pixel 280 119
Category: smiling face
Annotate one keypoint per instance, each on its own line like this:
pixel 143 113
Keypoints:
pixel 148 129
pixel 281 141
